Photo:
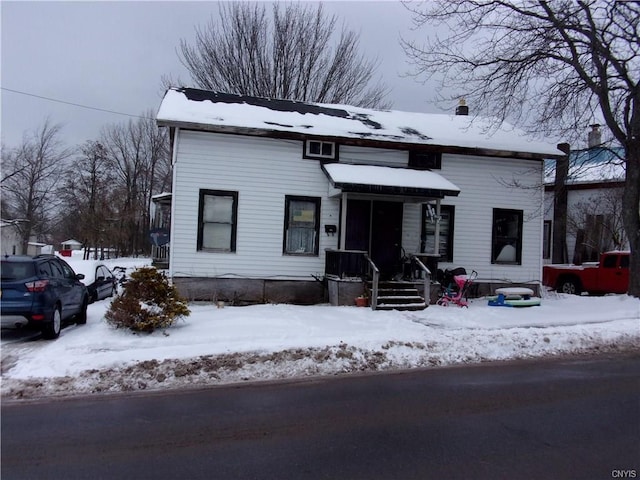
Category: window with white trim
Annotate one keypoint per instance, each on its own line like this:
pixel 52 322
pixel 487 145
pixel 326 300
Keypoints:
pixel 320 149
pixel 217 218
pixel 301 225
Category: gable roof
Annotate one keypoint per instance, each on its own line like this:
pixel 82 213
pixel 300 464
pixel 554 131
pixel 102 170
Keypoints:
pixel 222 112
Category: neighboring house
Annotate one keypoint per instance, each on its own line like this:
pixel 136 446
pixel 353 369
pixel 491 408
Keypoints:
pixel 595 185
pixel 11 240
pixel 68 246
pixel 280 201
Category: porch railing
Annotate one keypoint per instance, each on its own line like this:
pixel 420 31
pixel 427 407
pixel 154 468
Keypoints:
pixel 160 255
pixel 375 280
pixel 345 263
pixel 426 277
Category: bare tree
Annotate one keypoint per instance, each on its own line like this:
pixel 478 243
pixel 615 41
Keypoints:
pixel 290 55
pixel 138 154
pixel 597 222
pixel 551 67
pixel 31 174
pixel 87 203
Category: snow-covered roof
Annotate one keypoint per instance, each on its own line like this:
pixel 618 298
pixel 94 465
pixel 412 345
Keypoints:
pixel 593 165
pixel 224 112
pixel 369 178
pixel 70 242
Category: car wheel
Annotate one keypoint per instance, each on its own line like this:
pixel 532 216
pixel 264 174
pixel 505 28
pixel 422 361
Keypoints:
pixel 570 286
pixel 51 329
pixel 81 317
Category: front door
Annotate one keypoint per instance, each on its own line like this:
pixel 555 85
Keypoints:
pixel 376 227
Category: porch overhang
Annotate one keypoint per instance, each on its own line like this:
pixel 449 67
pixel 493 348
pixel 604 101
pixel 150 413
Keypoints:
pixel 371 179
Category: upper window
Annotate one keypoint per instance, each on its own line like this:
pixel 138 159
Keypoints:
pixel 320 149
pixel 445 248
pixel 217 218
pixel 301 225
pixel 506 247
pixel 425 160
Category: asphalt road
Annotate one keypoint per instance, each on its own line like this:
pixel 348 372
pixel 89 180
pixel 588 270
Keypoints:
pixel 560 419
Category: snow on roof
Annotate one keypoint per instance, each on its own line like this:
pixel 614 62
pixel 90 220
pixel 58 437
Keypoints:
pixel 420 181
pixel 594 165
pixel 70 242
pixel 226 112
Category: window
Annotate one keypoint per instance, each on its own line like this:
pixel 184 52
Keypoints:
pixel 610 261
pixel 56 270
pixel 319 149
pixel 446 231
pixel 68 272
pixel 625 261
pixel 506 246
pixel 45 269
pixel 301 225
pixel 425 160
pixel 217 218
pixel 546 239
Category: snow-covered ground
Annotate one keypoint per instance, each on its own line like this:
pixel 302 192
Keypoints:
pixel 234 344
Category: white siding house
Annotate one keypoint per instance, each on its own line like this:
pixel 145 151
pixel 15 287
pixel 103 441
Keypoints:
pixel 11 241
pixel 262 209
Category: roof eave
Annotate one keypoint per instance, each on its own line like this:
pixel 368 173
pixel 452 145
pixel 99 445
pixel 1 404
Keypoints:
pixel 364 142
pixel 393 190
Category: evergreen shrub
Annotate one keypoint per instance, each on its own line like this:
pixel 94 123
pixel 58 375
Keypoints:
pixel 147 303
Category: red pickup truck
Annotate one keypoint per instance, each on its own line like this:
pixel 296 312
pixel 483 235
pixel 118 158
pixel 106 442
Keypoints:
pixel 609 275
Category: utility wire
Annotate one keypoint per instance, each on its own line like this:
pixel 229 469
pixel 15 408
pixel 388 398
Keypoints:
pixel 74 104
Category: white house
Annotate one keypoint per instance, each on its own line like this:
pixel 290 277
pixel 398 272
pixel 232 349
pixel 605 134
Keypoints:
pixel 11 239
pixel 277 200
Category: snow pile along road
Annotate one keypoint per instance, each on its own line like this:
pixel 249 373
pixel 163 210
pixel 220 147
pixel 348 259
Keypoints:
pixel 235 344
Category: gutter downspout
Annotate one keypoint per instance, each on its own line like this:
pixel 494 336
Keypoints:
pixel 174 164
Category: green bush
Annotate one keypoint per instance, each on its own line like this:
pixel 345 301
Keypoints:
pixel 147 303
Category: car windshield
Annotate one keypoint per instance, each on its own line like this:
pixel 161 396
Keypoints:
pixel 17 270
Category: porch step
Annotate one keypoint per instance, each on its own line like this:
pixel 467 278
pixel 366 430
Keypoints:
pixel 399 296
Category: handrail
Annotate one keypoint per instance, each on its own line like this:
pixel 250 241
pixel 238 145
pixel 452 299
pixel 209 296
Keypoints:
pixel 427 279
pixel 374 282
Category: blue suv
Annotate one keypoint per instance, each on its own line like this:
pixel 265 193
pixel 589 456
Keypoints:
pixel 43 291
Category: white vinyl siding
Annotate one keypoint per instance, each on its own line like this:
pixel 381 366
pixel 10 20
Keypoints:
pixel 487 183
pixel 263 172
pixel 373 156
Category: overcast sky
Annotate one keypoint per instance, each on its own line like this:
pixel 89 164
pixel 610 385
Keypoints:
pixel 112 55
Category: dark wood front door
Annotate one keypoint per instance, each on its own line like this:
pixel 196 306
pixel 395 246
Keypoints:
pixel 376 227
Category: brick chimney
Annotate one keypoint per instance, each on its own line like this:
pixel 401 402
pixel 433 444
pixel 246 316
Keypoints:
pixel 462 108
pixel 594 138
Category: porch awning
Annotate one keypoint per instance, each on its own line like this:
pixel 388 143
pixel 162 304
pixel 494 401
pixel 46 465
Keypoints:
pixel 388 180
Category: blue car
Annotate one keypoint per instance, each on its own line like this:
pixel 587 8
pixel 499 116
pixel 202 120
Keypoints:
pixel 43 292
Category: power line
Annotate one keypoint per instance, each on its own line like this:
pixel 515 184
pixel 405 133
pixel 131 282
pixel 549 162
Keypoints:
pixel 74 104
